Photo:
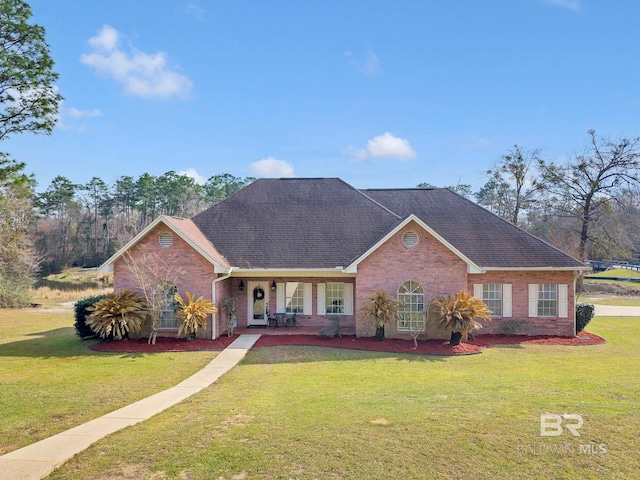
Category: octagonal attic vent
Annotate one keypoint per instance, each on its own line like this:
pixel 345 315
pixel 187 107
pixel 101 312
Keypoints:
pixel 410 239
pixel 165 239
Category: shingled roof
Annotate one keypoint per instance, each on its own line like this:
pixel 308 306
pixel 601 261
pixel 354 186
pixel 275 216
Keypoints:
pixel 295 223
pixel 486 239
pixel 315 223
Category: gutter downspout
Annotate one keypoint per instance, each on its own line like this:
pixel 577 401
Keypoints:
pixel 214 316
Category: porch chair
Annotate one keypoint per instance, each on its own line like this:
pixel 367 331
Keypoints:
pixel 271 321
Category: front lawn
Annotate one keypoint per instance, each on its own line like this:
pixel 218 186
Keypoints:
pixel 312 412
pixel 50 381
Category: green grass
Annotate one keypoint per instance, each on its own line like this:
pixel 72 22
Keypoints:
pixel 617 272
pixel 310 412
pixel 51 381
pixel 610 300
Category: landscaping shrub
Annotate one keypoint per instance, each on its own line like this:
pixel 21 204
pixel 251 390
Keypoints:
pixel 193 313
pixel 513 327
pixel 584 314
pixel 117 314
pixel 333 329
pixel 81 313
pixel 457 314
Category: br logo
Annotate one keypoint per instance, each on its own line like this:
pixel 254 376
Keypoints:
pixel 552 425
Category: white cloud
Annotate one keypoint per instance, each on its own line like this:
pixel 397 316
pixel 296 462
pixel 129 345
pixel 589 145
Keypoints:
pixel 74 112
pixel 383 146
pixel 369 66
pixel 196 10
pixel 141 74
pixel 570 4
pixel 272 168
pixel 192 173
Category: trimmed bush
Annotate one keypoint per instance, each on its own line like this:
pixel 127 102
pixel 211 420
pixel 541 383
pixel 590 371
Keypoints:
pixel 584 314
pixel 81 314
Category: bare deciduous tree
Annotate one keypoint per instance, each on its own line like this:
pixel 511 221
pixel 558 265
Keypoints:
pixel 585 188
pixel 511 188
pixel 156 279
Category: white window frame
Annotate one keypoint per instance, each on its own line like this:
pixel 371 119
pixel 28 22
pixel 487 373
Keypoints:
pixel 281 298
pixel 562 300
pixel 347 298
pixel 506 301
pixel 414 316
pixel 168 319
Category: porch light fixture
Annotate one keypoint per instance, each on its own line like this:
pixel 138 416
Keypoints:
pixel 273 285
pixel 241 286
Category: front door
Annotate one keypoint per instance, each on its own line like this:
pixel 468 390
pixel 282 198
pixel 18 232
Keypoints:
pixel 257 299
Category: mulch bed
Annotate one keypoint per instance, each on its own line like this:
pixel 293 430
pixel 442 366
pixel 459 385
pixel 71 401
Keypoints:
pixel 428 347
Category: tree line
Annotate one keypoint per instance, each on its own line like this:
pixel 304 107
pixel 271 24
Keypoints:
pixel 84 224
pixel 587 206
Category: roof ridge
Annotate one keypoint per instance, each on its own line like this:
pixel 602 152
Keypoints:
pixel 361 192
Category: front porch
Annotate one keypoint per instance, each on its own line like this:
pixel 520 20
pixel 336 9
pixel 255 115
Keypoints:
pixel 299 330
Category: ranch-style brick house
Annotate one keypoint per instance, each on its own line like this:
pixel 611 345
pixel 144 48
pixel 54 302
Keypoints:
pixel 317 247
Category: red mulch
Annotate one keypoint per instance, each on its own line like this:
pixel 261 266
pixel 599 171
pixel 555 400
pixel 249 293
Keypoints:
pixel 163 344
pixel 428 347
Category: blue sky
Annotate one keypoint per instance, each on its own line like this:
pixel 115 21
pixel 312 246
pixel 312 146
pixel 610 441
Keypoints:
pixel 378 93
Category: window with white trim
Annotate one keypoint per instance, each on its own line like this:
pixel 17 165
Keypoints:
pixel 492 297
pixel 548 300
pixel 496 296
pixel 334 299
pixel 165 300
pixel 411 316
pixel 294 297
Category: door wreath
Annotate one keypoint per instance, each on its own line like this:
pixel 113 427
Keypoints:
pixel 258 294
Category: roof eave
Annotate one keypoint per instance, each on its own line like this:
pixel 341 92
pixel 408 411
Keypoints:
pixel 534 269
pixel 471 266
pixel 107 266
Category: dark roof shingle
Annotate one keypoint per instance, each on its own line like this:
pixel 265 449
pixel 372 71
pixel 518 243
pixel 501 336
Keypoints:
pixel 326 223
pixel 486 239
pixel 295 223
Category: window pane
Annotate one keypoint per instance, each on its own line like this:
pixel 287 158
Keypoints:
pixel 294 297
pixel 492 296
pixel 335 298
pixel 548 300
pixel 411 317
pixel 168 319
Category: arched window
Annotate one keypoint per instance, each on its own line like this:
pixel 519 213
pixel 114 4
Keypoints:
pixel 411 316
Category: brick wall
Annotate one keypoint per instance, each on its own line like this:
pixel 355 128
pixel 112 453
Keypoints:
pixel 438 270
pixel 520 281
pixel 431 264
pixel 188 269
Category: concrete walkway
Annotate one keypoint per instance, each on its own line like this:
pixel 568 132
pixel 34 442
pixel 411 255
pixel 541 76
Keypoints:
pixel 39 459
pixel 616 311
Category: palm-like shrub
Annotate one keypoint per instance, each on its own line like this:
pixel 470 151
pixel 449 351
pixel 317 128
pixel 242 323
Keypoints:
pixel 117 314
pixel 382 308
pixel 229 306
pixel 82 312
pixel 458 312
pixel 192 314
